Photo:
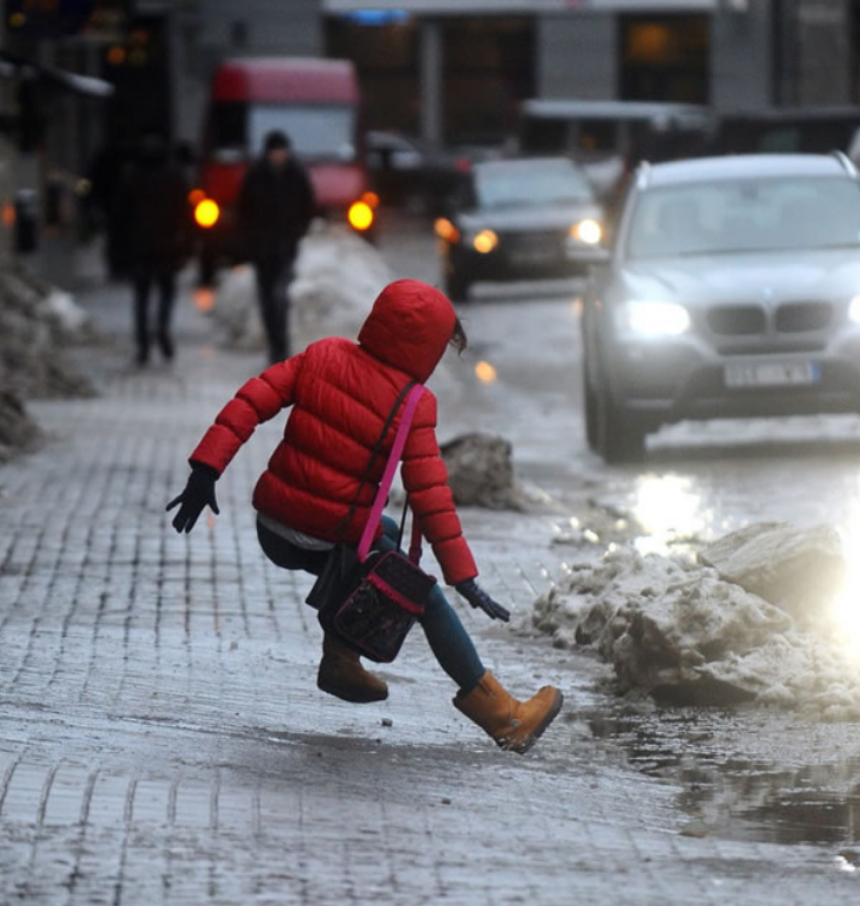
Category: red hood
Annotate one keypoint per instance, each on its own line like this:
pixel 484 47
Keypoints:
pixel 409 327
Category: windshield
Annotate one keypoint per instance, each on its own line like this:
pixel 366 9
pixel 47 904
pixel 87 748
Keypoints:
pixel 318 132
pixel 746 215
pixel 529 186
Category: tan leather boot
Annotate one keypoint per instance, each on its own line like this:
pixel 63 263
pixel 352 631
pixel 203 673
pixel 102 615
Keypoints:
pixel 342 675
pixel 513 724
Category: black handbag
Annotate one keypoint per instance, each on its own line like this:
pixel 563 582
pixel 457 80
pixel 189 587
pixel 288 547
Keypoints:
pixel 371 599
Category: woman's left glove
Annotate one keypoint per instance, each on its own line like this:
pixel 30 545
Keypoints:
pixel 477 597
pixel 199 492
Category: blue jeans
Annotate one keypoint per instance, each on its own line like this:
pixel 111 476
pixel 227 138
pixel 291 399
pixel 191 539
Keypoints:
pixel 446 635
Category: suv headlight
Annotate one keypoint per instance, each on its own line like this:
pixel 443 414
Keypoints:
pixel 588 231
pixel 482 241
pixel 653 319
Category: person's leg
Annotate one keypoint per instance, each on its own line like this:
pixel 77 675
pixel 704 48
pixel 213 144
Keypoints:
pixel 280 326
pixel 142 282
pixel 267 294
pixel 481 697
pixel 286 278
pixel 340 671
pixel 167 290
pixel 448 639
pixel 289 556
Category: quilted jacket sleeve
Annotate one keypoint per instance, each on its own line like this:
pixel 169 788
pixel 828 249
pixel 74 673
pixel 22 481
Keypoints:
pixel 425 478
pixel 258 400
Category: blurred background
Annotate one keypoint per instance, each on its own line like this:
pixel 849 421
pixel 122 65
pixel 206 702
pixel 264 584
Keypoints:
pixel 440 84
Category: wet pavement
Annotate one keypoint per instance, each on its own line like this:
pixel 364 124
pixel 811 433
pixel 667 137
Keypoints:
pixel 162 740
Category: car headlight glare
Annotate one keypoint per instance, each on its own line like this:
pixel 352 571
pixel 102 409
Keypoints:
pixel 654 319
pixel 360 216
pixel 854 310
pixel 446 230
pixel 207 213
pixel 588 231
pixel 485 241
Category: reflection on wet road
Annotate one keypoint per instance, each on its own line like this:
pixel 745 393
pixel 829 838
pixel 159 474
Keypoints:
pixel 784 797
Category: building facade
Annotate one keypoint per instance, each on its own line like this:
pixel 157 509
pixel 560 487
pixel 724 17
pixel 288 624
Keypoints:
pixel 456 70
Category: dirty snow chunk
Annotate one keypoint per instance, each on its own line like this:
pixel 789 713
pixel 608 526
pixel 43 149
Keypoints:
pixel 675 630
pixel 794 568
pixel 16 430
pixel 61 306
pixel 481 473
pixel 480 470
pixel 236 309
pixel 32 340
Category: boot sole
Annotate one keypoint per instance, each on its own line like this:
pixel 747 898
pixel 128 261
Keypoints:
pixel 523 747
pixel 351 694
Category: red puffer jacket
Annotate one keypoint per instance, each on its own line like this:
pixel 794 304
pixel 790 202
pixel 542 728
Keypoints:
pixel 341 394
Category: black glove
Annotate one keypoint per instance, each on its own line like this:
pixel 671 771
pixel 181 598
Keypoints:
pixel 198 493
pixel 477 597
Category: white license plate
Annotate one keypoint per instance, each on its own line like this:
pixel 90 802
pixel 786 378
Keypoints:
pixel 772 374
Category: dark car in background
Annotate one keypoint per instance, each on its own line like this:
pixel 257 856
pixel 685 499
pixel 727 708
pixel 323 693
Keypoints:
pixel 406 173
pixel 396 164
pixel 732 290
pixel 518 219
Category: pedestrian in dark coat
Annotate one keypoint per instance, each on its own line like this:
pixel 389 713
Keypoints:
pixel 157 219
pixel 340 393
pixel 276 204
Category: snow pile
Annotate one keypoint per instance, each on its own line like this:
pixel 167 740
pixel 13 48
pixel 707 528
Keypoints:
pixel 481 473
pixel 792 567
pixel 236 311
pixel 337 277
pixel 16 430
pixel 36 323
pixel 679 631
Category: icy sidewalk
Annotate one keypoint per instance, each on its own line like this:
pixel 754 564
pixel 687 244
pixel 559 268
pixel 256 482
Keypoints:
pixel 162 739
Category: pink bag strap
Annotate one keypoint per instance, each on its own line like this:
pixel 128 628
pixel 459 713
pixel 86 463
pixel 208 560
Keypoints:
pixel 388 475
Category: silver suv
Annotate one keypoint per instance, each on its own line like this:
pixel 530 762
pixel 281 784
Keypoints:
pixel 732 289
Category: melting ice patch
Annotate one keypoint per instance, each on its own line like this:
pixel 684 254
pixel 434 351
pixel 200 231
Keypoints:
pixel 752 618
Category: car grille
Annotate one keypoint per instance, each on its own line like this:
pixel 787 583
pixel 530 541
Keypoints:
pixel 736 320
pixel 751 320
pixel 533 240
pixel 798 317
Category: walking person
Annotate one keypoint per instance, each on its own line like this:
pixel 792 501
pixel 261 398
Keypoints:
pixel 156 218
pixel 276 204
pixel 311 494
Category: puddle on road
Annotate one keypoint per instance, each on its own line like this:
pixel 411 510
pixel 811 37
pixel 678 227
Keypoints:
pixel 735 796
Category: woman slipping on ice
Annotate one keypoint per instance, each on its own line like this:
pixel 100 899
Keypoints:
pixel 340 394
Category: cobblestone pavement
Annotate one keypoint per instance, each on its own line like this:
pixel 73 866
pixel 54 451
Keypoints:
pixel 162 739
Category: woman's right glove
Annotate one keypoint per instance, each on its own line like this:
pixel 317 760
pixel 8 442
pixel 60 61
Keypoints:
pixel 199 492
pixel 477 597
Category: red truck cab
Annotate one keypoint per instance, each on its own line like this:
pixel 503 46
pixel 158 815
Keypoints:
pixel 317 103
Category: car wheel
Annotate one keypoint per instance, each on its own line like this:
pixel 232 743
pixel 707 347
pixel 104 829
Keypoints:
pixel 456 285
pixel 617 439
